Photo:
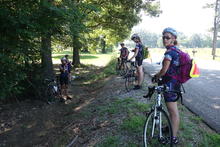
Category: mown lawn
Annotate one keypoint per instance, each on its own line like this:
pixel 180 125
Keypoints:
pixel 201 53
pixel 87 59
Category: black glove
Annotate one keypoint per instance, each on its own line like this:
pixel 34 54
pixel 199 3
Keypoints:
pixel 150 92
pixel 154 79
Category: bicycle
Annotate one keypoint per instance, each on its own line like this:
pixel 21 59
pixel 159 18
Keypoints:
pixel 131 76
pixel 121 67
pixel 53 90
pixel 157 126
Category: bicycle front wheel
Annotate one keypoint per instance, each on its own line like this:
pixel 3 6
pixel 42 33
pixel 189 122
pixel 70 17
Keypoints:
pixel 157 130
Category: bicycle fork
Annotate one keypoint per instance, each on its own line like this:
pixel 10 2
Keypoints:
pixel 157 118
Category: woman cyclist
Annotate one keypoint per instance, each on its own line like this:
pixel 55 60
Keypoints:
pixel 64 78
pixel 167 73
pixel 138 55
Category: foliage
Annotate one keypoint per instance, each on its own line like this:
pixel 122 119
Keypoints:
pixel 115 19
pixel 30 28
pixel 19 49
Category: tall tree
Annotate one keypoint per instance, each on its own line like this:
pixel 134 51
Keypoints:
pixel 115 18
pixel 216 27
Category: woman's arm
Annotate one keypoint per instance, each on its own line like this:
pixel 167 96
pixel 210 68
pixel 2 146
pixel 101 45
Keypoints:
pixel 135 54
pixel 61 68
pixel 166 64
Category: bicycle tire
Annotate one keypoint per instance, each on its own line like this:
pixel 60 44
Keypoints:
pixel 129 81
pixel 117 68
pixel 150 140
pixel 50 94
pixel 123 69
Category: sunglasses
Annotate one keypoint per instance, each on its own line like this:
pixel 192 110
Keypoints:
pixel 166 37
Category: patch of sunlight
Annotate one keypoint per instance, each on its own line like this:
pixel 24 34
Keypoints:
pixel 42 133
pixel 49 124
pixel 5 130
pixel 188 100
pixel 216 106
pixel 84 104
pixel 94 59
pixel 216 98
pixel 87 82
pixel 31 125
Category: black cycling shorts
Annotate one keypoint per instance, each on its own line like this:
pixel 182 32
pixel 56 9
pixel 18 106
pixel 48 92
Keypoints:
pixel 64 80
pixel 139 61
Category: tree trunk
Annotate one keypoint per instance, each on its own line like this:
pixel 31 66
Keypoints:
pixel 46 56
pixel 103 44
pixel 215 34
pixel 76 47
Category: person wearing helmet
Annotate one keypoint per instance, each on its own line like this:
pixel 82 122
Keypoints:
pixel 64 78
pixel 138 55
pixel 123 53
pixel 69 66
pixel 167 73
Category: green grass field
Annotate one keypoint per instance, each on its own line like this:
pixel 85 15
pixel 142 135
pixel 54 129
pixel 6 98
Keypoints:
pixel 94 59
pixel 201 53
pixel 103 59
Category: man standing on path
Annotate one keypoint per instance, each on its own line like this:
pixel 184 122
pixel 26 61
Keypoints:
pixel 138 55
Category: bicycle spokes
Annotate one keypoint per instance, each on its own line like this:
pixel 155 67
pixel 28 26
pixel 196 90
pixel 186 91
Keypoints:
pixel 154 130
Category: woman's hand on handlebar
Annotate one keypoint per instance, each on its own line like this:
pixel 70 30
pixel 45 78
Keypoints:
pixel 155 79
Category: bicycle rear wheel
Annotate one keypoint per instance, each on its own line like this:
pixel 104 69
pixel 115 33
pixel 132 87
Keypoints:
pixel 123 69
pixel 117 68
pixel 157 130
pixel 50 94
pixel 129 81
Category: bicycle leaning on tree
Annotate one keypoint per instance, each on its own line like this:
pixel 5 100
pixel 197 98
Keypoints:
pixel 53 90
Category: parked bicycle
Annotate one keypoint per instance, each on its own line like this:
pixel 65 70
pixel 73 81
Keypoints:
pixel 53 90
pixel 130 76
pixel 157 126
pixel 121 67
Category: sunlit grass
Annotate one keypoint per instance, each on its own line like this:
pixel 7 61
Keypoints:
pixel 201 53
pixel 93 59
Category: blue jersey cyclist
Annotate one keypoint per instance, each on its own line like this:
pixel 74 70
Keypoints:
pixel 138 55
pixel 64 77
pixel 168 74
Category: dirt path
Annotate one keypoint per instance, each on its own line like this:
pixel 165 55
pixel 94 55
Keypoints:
pixel 36 123
pixel 100 114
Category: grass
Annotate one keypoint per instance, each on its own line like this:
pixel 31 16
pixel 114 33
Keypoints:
pixel 133 124
pixel 127 114
pixel 108 70
pixel 131 120
pixel 202 53
pixel 210 140
pixel 192 133
pixel 85 58
pixel 110 141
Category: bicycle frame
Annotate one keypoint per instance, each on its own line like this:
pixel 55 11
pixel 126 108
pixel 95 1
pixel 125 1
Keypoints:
pixel 158 105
